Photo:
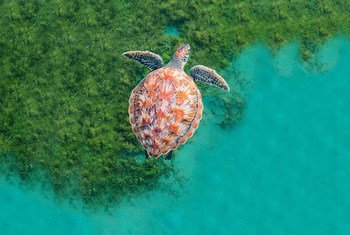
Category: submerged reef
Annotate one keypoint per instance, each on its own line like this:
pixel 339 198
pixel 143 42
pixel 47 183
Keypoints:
pixel 64 85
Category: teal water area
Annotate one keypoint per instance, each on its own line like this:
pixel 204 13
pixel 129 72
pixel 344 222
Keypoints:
pixel 172 31
pixel 284 169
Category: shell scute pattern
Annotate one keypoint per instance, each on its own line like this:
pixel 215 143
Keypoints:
pixel 165 110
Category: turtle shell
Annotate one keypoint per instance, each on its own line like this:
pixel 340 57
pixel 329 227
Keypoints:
pixel 165 110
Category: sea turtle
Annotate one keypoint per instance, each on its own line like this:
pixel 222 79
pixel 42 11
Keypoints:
pixel 166 106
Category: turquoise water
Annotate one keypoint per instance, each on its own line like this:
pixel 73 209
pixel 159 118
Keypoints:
pixel 172 31
pixel 284 169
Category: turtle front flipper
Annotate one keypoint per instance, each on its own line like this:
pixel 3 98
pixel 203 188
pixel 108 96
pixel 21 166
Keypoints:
pixel 146 58
pixel 209 76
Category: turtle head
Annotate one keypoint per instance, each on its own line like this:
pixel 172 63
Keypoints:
pixel 181 55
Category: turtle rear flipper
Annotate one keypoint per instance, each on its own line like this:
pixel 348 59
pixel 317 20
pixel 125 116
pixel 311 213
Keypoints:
pixel 169 155
pixel 209 76
pixel 146 58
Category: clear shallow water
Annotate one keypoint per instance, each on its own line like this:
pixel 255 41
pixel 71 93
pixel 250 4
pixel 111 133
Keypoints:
pixel 171 31
pixel 285 169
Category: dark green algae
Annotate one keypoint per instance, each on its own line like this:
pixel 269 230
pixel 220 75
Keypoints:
pixel 64 86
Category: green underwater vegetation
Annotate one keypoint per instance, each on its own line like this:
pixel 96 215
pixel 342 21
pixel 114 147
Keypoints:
pixel 64 85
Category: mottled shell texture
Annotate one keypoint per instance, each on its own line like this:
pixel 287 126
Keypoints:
pixel 165 110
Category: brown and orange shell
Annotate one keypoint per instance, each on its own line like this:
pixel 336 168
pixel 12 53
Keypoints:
pixel 165 110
